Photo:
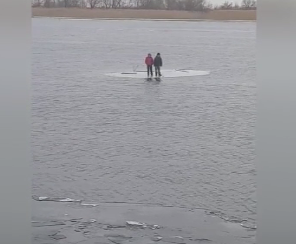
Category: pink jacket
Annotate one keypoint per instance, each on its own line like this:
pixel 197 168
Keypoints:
pixel 149 61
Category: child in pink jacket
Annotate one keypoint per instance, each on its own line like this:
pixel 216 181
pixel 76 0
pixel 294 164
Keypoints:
pixel 149 62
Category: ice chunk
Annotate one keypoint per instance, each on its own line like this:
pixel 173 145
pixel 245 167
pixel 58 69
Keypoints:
pixel 42 198
pixel 134 223
pixel 165 73
pixel 89 204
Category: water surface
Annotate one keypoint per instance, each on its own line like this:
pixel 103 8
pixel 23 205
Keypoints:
pixel 184 142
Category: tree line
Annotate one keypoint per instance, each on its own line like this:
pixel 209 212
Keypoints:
pixel 185 5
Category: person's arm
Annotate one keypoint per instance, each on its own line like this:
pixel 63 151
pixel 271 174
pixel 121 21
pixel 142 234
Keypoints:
pixel 146 61
pixel 160 61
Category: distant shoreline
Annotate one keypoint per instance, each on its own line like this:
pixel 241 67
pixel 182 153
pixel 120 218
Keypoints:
pixel 134 14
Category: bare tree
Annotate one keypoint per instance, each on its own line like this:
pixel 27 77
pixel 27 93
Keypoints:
pixel 146 4
pixel 186 5
pixel 134 3
pixel 69 3
pixel 59 3
pixel 226 5
pixel 236 6
pixel 93 3
pixel 117 3
pixel 83 3
pixel 138 3
pixel 63 3
pixel 107 3
pixel 112 3
pixel 189 5
pixel 49 3
pixel 66 3
pixel 200 5
pixel 209 6
pixel 194 5
pixel 75 3
pixel 171 4
pixel 249 4
pixel 37 3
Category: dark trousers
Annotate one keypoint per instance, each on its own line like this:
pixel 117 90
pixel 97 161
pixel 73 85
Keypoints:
pixel 157 71
pixel 149 70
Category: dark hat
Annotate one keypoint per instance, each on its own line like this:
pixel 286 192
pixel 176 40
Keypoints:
pixel 158 53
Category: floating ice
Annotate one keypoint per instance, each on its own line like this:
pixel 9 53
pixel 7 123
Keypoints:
pixel 248 226
pixel 42 198
pixel 55 199
pixel 89 204
pixel 154 227
pixel 156 238
pixel 69 200
pixel 136 224
pixel 175 239
pixel 142 225
pixel 117 238
pixel 165 73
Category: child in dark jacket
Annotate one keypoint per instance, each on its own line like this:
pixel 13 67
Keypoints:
pixel 157 64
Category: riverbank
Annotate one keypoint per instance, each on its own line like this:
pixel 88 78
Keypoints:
pixel 69 223
pixel 77 13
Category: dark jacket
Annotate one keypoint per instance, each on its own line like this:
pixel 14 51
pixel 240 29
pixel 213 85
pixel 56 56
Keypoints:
pixel 158 61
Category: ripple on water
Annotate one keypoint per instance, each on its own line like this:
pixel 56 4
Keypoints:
pixel 177 143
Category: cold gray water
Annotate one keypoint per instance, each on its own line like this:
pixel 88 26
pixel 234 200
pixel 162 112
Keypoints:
pixel 183 142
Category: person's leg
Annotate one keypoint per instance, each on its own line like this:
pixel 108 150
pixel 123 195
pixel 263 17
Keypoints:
pixel 151 71
pixel 156 73
pixel 147 70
